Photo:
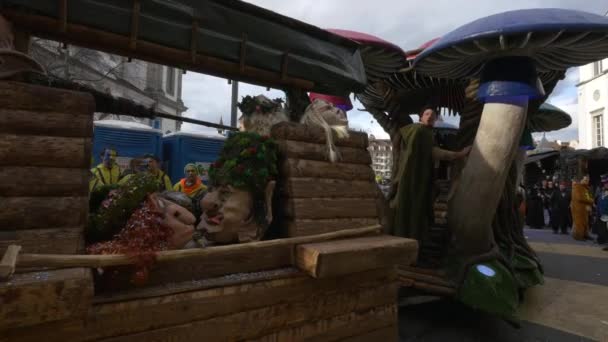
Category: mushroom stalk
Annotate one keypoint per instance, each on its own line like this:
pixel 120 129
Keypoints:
pixel 482 181
pixel 507 85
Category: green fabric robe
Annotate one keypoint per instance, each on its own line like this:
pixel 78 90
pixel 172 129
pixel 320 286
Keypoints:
pixel 411 203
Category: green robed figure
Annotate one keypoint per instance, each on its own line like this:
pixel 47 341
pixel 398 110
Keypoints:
pixel 411 197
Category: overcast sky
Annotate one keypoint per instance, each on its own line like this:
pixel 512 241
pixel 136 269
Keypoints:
pixel 405 23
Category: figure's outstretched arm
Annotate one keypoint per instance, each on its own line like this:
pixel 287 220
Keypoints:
pixel 441 154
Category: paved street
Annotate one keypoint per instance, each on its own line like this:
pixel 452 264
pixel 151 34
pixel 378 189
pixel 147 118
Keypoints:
pixel 572 305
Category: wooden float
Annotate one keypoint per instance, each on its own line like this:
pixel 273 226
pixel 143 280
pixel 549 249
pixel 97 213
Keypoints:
pixel 332 276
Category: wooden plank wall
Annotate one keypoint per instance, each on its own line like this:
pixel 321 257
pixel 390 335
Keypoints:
pixel 45 155
pixel 295 308
pixel 318 196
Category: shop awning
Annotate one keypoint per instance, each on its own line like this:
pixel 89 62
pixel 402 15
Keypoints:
pixel 533 158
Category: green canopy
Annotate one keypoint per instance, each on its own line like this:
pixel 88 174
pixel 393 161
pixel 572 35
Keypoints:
pixel 226 38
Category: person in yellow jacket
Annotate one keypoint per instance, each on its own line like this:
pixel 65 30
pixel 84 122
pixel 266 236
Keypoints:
pixel 106 173
pixel 154 168
pixel 192 185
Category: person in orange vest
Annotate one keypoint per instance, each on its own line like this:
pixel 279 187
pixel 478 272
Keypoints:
pixel 192 184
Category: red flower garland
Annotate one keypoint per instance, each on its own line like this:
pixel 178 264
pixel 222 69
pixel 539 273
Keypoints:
pixel 143 236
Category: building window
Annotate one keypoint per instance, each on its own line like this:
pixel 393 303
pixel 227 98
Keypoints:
pixel 156 123
pixel 598 130
pixel 170 81
pixel 597 68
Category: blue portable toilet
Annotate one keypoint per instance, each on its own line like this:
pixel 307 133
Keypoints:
pixel 181 148
pixel 129 139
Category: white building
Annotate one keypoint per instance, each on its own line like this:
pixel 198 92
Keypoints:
pixel 148 84
pixel 592 105
pixel 381 151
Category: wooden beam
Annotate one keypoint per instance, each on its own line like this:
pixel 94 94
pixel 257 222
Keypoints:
pixel 134 24
pixel 218 252
pixel 40 297
pixel 284 63
pixel 193 41
pixel 316 169
pixel 316 135
pixel 330 208
pixel 63 15
pixel 321 316
pixel 46 27
pixel 387 334
pixel 35 98
pixel 307 187
pixel 118 105
pixel 303 150
pixel 62 124
pixel 145 294
pixel 50 240
pixel 339 327
pixel 56 331
pixel 429 288
pixel 293 299
pixel 16 181
pixel 9 261
pixel 36 150
pixel 189 268
pixel 335 258
pixel 434 272
pixel 184 265
pixel 243 53
pixel 42 212
pixel 304 227
pixel 426 278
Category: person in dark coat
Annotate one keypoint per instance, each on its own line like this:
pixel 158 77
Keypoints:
pixel 560 207
pixel 602 212
pixel 534 209
pixel 547 194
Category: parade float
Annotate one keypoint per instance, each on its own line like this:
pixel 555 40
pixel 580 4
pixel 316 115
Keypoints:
pixel 285 251
pixel 288 246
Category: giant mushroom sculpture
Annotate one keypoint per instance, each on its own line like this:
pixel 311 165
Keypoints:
pixel 381 59
pixel 507 52
pixel 340 102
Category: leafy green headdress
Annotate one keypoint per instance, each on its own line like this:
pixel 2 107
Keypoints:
pixel 259 105
pixel 248 161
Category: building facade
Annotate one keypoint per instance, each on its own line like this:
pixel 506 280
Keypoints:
pixel 381 151
pixel 148 84
pixel 592 105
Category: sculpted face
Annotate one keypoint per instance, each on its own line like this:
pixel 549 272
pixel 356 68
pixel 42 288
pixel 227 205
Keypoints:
pixel 178 218
pixel 333 115
pixel 228 215
pixel 226 211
